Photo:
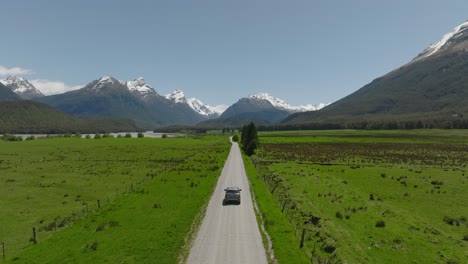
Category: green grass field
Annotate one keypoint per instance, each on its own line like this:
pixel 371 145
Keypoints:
pixel 366 196
pixel 150 192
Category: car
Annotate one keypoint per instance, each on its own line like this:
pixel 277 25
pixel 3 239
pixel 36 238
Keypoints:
pixel 232 195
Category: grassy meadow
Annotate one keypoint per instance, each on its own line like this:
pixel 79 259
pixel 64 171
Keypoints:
pixel 149 191
pixel 364 196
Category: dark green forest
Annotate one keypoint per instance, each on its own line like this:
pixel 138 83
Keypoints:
pixel 33 117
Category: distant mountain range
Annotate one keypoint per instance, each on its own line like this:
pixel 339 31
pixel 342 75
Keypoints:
pixel 138 101
pixel 198 106
pixel 433 86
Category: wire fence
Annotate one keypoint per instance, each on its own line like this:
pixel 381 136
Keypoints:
pixel 85 208
pixel 305 223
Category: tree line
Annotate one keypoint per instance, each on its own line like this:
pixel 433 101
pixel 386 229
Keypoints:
pixel 372 124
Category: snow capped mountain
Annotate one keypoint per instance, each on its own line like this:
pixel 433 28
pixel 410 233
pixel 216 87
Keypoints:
pixel 177 97
pixel 198 106
pixel 449 38
pixel 22 87
pixel 206 110
pixel 103 82
pixel 139 86
pixel 281 104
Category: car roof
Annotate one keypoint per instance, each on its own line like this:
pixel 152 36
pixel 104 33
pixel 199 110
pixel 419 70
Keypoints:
pixel 233 188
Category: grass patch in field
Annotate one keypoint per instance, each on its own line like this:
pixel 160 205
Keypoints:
pixel 370 202
pixel 284 237
pixel 155 189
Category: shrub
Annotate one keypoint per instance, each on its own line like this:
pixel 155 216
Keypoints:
pixel 380 223
pixel 88 137
pixel 107 135
pixel 97 136
pixel 10 137
pixel 93 246
pixel 235 138
pixel 437 183
pixel 128 135
pixel 339 215
pixel 141 135
pixel 164 136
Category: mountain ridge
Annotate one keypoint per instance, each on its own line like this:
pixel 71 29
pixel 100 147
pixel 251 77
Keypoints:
pixel 433 85
pixel 22 87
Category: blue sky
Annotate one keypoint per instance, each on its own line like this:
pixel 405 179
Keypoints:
pixel 305 52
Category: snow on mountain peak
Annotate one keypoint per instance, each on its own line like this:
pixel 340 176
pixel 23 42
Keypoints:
pixel 445 39
pixel 204 109
pixel 177 96
pixel 276 102
pixel 198 106
pixel 139 85
pixel 22 87
pixel 281 104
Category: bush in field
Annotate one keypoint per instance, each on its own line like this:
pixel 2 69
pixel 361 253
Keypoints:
pixel 128 135
pixel 10 137
pixel 31 138
pixel 453 221
pixel 141 135
pixel 88 137
pixel 97 136
pixel 107 135
pixel 235 138
pixel 164 136
pixel 339 215
pixel 78 135
pixel 380 223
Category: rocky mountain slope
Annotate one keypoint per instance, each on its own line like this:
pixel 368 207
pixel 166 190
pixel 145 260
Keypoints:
pixel 434 85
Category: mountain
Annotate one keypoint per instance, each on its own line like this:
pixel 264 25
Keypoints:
pixel 434 85
pixel 22 87
pixel 139 87
pixel 266 107
pixel 207 111
pixel 256 108
pixel 136 100
pixel 260 108
pixel 33 117
pixel 6 94
pixel 281 104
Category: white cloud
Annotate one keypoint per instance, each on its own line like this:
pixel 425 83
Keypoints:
pixel 13 71
pixel 53 87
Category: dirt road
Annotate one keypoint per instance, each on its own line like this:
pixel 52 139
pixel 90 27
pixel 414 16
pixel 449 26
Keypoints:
pixel 229 234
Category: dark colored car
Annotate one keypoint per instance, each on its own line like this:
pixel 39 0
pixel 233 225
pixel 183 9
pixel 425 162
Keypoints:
pixel 232 195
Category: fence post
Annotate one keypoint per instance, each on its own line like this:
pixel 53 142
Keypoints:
pixel 99 204
pixel 34 236
pixel 302 237
pixel 284 204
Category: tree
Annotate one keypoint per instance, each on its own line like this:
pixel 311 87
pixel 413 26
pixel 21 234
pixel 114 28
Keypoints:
pixel 249 139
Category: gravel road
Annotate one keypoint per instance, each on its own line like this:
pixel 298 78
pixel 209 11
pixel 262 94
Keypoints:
pixel 229 234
